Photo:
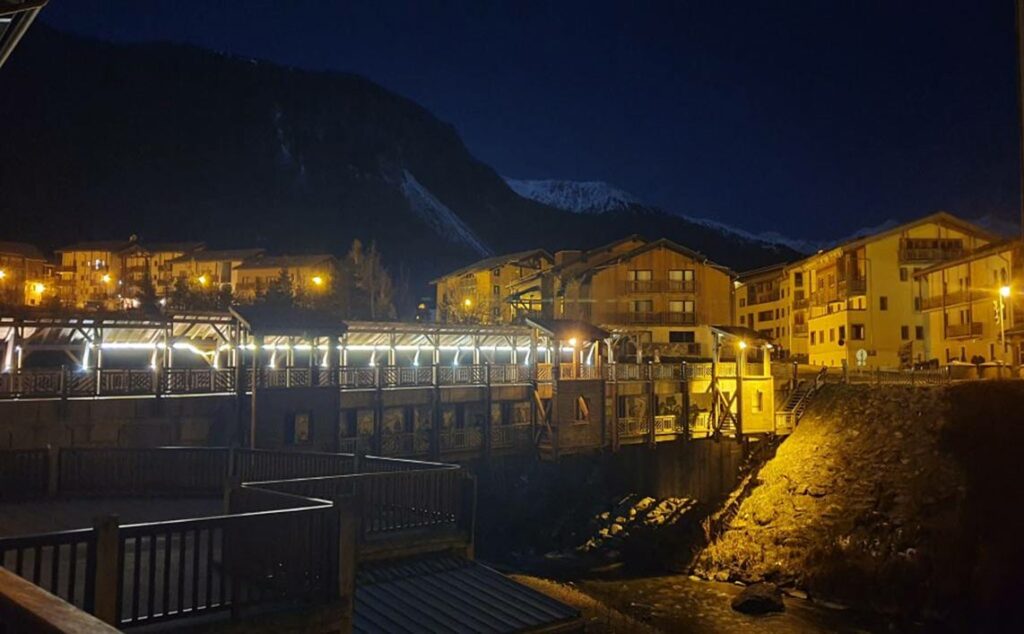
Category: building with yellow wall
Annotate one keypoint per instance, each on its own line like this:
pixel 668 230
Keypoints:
pixel 25 275
pixel 659 294
pixel 478 293
pixel 213 269
pixel 309 274
pixel 972 302
pixel 112 274
pixel 773 300
pixel 862 296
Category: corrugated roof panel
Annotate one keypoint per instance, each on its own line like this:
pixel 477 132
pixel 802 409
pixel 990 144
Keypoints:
pixel 448 594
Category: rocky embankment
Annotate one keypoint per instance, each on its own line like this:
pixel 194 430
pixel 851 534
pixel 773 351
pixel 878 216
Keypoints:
pixel 893 499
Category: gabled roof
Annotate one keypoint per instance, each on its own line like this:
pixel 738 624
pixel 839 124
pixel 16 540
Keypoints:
pixel 285 261
pixel 261 319
pixel 172 247
pixel 939 217
pixel 565 329
pixel 112 246
pixel 772 270
pixel 498 260
pixel 587 265
pixel 219 255
pixel 21 249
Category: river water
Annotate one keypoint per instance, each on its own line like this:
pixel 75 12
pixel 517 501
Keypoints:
pixel 678 603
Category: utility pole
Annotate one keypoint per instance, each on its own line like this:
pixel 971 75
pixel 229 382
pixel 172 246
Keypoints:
pixel 1020 102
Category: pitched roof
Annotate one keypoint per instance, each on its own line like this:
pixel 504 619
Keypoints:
pixel 939 217
pixel 21 249
pixel 164 247
pixel 285 261
pixel 565 329
pixel 765 271
pixel 490 263
pixel 219 255
pixel 97 245
pixel 588 263
pixel 288 321
pixel 448 594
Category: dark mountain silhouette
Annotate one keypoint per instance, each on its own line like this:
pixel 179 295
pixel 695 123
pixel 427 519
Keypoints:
pixel 171 142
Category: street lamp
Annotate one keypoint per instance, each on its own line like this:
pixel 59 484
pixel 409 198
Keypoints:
pixel 1004 292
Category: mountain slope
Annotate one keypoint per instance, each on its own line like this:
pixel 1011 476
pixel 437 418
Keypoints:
pixel 172 143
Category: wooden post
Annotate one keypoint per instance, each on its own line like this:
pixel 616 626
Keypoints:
pixel 108 566
pixel 435 413
pixel 256 378
pixel 349 520
pixel 488 421
pixel 468 494
pixel 741 368
pixel 651 399
pixel 378 410
pixel 53 475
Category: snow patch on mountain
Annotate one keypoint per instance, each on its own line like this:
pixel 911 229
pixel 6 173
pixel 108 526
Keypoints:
pixel 582 197
pixel 445 222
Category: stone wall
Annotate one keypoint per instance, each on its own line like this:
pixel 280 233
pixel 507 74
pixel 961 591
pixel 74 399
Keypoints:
pixel 871 501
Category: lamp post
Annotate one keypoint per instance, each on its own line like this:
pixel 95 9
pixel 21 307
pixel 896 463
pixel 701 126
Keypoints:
pixel 1004 293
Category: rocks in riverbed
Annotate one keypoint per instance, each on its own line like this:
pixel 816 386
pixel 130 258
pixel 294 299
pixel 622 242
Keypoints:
pixel 760 598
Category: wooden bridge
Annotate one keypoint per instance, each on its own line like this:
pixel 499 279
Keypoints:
pixel 402 390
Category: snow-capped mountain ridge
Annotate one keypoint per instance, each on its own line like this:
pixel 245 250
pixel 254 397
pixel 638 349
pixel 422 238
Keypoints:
pixel 584 197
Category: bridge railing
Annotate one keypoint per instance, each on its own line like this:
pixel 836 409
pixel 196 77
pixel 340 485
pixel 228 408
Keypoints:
pixel 62 563
pixel 24 473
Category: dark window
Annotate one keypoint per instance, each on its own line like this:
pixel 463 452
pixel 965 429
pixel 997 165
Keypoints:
pixel 904 276
pixel 904 332
pixel 883 303
pixel 681 336
pixel 743 319
pixel 857 332
pixel 798 279
pixel 842 334
pixel 812 337
pixel 919 333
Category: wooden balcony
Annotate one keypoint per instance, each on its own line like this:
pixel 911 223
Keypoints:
pixel 954 298
pixel 938 254
pixel 653 318
pixel 763 298
pixel 963 331
pixel 660 286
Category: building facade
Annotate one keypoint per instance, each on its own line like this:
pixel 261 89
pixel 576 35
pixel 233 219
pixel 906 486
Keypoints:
pixel 658 297
pixel 478 293
pixel 25 275
pixel 972 306
pixel 308 274
pixel 861 295
pixel 213 269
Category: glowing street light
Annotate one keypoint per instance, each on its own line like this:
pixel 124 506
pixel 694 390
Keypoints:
pixel 318 281
pixel 3 274
pixel 106 278
pixel 572 342
pixel 38 288
pixel 467 302
pixel 742 345
pixel 203 280
pixel 1004 291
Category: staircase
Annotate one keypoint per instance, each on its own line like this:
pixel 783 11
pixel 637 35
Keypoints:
pixel 787 416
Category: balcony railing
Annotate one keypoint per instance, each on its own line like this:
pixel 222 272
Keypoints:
pixel 962 331
pixel 956 297
pixel 763 298
pixel 664 317
pixel 931 254
pixel 800 330
pixel 660 286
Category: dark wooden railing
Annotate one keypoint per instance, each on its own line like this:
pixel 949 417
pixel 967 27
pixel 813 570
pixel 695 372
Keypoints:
pixel 62 563
pixel 24 473
pixel 157 471
pixel 190 567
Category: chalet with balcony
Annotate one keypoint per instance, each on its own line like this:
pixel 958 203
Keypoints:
pixel 308 274
pixel 658 297
pixel 972 307
pixel 862 293
pixel 476 293
pixel 25 275
pixel 211 269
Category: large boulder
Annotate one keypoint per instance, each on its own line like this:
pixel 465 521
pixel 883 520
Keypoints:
pixel 759 598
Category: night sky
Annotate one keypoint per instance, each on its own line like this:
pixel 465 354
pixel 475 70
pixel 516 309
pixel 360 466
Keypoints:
pixel 813 118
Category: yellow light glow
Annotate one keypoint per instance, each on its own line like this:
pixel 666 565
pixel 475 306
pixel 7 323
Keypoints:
pixel 38 288
pixel 467 302
pixel 318 281
pixel 572 342
pixel 3 274
pixel 106 278
pixel 742 344
pixel 1005 291
pixel 203 280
